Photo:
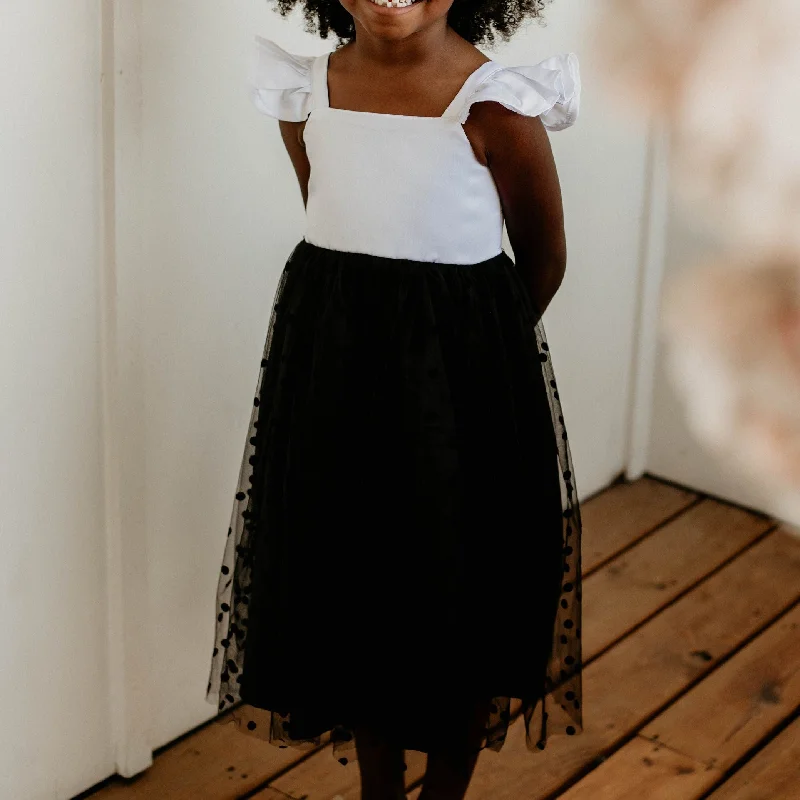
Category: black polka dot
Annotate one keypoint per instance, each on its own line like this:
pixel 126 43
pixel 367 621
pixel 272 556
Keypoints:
pixel 251 726
pixel 570 730
pixel 225 569
pixel 568 623
pixel 564 604
pixel 343 761
pixel 567 587
pixel 569 695
pixel 256 401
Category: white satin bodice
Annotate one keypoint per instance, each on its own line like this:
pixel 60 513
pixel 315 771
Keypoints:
pixel 403 186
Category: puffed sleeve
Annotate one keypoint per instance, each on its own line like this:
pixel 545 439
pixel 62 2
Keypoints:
pixel 281 82
pixel 550 89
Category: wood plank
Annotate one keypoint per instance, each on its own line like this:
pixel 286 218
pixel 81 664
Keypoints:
pixel 645 769
pixel 772 774
pixel 711 727
pixel 620 515
pixel 324 777
pixel 216 762
pixel 739 704
pixel 642 674
pixel 653 572
pixel 624 513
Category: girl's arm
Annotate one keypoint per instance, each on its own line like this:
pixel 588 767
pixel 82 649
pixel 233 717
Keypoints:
pixel 517 151
pixel 292 133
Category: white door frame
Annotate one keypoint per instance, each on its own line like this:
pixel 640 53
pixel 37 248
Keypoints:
pixel 123 421
pixel 646 330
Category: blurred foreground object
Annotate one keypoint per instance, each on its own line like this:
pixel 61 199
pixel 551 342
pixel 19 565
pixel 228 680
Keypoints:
pixel 724 77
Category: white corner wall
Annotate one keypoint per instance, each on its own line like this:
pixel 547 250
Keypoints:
pixel 55 733
pixel 145 217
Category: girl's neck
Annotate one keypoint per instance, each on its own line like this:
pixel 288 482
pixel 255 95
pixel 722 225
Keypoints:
pixel 426 48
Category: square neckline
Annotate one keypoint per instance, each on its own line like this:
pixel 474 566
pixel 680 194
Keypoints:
pixel 320 89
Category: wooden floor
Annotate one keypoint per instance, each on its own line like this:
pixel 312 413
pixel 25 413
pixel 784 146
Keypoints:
pixel 691 680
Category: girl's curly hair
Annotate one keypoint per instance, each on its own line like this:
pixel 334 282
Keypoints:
pixel 477 21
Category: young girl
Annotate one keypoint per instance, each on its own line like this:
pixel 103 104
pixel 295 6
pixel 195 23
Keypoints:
pixel 403 557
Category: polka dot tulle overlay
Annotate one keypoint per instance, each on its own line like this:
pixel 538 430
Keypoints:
pixel 551 694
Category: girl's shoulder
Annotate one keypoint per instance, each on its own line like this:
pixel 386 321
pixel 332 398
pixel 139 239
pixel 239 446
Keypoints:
pixel 551 89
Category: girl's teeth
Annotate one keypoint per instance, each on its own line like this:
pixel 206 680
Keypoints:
pixel 393 3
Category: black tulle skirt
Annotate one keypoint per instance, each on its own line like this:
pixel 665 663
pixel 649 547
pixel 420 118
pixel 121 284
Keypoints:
pixel 405 537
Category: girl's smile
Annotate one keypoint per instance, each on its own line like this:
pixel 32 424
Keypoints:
pixel 393 7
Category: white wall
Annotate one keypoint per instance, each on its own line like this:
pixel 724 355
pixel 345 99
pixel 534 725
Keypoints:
pixel 55 731
pixel 675 452
pixel 222 213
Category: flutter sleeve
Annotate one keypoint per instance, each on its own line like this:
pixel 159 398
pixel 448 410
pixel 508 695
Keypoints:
pixel 550 89
pixel 280 82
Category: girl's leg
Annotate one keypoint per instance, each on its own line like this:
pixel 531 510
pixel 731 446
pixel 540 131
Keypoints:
pixel 450 769
pixel 381 764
